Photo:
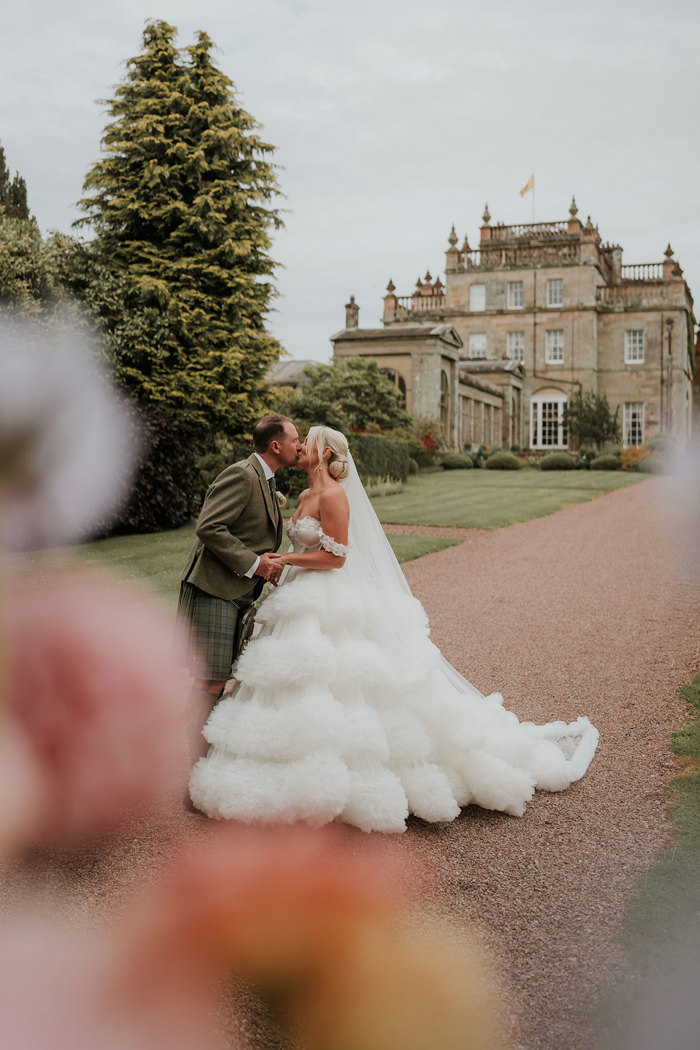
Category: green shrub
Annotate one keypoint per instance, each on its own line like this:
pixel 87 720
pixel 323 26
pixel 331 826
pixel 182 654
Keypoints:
pixel 423 457
pixel 650 465
pixel 658 443
pixel 412 466
pixel 557 461
pixel 456 461
pixel 584 458
pixel 477 454
pixel 224 453
pixel 379 458
pixel 291 481
pixel 606 462
pixel 167 489
pixel 502 461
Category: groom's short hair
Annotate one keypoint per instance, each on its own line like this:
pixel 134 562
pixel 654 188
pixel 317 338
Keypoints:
pixel 270 428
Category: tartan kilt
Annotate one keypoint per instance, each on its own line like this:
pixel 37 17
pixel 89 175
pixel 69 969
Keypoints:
pixel 209 631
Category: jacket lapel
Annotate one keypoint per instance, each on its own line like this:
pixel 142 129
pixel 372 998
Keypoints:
pixel 270 504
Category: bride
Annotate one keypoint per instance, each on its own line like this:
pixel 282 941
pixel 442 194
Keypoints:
pixel 345 710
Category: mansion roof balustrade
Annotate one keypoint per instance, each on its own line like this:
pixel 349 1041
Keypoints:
pixel 643 272
pixel 529 231
pixel 514 256
pixel 644 292
pixel 538 246
pixel 409 305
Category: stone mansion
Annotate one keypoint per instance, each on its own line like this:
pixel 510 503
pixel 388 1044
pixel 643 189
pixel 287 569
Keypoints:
pixel 532 314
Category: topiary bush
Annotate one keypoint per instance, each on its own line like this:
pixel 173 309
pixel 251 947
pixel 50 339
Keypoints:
pixel 557 461
pixel 456 461
pixel 650 465
pixel 605 463
pixel 412 466
pixel 502 461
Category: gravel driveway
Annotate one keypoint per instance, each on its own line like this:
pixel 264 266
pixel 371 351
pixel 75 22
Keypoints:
pixel 583 612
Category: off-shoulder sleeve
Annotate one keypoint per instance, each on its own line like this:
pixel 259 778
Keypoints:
pixel 329 544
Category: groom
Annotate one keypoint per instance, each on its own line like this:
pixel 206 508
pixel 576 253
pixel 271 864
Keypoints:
pixel 240 524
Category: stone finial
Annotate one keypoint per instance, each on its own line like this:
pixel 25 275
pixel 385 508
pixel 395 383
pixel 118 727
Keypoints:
pixel 419 283
pixel 391 287
pixel 486 217
pixel 573 210
pixel 352 313
pixel 589 224
pixel 465 244
pixel 428 277
pixel 452 239
pixel 669 251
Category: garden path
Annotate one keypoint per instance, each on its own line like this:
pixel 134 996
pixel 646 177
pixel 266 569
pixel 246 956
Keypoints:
pixel 587 611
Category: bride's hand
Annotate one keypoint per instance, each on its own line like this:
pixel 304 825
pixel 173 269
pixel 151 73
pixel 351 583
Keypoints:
pixel 280 559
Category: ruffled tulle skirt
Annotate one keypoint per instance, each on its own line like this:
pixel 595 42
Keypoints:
pixel 346 710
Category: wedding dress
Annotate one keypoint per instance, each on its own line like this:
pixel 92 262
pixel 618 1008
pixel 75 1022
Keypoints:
pixel 345 709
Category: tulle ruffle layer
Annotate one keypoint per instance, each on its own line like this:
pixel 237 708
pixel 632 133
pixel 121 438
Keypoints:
pixel 346 710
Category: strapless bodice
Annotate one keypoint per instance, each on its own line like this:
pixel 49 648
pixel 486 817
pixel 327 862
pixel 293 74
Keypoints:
pixel 306 534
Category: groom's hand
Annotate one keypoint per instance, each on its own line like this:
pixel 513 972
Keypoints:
pixel 268 569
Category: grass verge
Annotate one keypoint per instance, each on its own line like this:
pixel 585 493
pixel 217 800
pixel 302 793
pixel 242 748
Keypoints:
pixel 492 499
pixel 661 935
pixel 156 560
pixel 669 892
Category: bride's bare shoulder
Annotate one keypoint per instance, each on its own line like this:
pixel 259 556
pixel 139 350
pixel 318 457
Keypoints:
pixel 334 497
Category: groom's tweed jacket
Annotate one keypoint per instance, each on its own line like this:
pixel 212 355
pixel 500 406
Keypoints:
pixel 240 519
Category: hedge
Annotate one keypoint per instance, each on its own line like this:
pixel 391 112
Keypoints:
pixel 606 463
pixel 378 458
pixel 557 461
pixel 502 461
pixel 650 465
pixel 456 461
pixel 167 490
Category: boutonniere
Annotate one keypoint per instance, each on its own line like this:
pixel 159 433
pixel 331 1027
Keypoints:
pixel 281 499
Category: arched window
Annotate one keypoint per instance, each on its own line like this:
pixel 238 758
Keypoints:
pixel 445 404
pixel 547 429
pixel 398 380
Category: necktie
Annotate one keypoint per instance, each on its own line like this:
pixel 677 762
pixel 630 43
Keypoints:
pixel 273 486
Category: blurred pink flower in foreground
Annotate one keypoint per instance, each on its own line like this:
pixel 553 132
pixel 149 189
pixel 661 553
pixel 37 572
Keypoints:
pixel 273 904
pixel 62 987
pixel 22 792
pixel 66 456
pixel 92 687
pixel 319 923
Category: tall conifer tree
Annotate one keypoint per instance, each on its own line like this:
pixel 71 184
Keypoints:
pixel 13 192
pixel 181 206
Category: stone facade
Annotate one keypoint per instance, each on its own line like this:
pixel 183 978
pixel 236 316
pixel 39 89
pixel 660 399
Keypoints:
pixel 534 313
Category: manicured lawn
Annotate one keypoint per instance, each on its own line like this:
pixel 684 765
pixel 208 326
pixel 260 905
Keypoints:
pixel 471 499
pixel 156 560
pixel 491 499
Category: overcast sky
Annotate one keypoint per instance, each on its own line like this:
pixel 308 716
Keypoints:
pixel 392 121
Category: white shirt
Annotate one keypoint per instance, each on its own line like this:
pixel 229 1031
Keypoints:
pixel 268 474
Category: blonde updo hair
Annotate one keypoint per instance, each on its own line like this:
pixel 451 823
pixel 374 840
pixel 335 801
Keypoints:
pixel 319 438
